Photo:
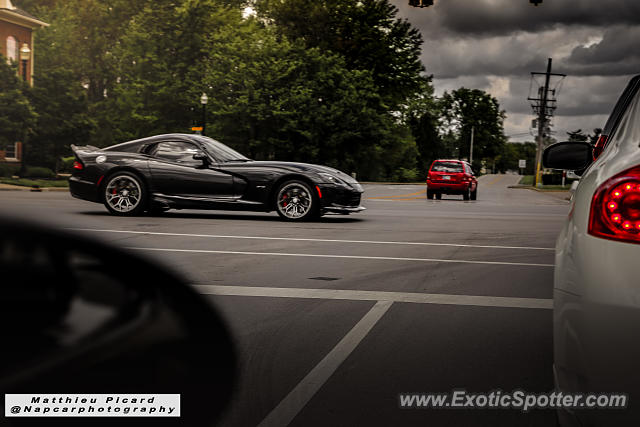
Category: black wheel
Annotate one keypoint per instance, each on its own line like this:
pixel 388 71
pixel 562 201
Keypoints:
pixel 438 195
pixel 125 194
pixel 429 194
pixel 474 194
pixel 467 194
pixel 296 201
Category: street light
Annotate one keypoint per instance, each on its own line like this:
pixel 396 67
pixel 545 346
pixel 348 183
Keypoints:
pixel 203 100
pixel 25 55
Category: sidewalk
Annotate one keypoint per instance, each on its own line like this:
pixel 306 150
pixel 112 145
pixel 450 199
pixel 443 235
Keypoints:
pixel 9 187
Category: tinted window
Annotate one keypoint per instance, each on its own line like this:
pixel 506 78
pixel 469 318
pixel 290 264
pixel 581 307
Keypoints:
pixel 446 167
pixel 177 152
pixel 220 151
pixel 620 107
pixel 628 130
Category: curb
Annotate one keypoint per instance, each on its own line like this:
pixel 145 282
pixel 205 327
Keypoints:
pixel 529 187
pixel 7 187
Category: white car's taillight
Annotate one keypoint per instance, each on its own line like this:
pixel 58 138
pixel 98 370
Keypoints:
pixel 615 208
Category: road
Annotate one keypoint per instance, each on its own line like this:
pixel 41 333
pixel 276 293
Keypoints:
pixel 333 319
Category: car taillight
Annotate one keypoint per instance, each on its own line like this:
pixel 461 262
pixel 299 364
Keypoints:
pixel 78 166
pixel 600 145
pixel 615 208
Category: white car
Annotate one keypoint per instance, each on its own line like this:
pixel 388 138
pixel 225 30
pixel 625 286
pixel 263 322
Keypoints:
pixel 597 269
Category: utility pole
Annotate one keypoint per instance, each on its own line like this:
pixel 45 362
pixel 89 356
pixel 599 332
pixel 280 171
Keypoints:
pixel 471 149
pixel 544 111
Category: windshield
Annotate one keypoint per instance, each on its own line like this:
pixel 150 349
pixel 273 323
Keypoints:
pixel 447 167
pixel 221 152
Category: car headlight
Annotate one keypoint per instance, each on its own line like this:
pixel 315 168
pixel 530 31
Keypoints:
pixel 332 179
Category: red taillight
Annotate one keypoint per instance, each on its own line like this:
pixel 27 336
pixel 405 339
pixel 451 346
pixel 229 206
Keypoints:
pixel 615 208
pixel 600 145
pixel 77 165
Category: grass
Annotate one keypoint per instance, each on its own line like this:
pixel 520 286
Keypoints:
pixel 526 180
pixel 27 182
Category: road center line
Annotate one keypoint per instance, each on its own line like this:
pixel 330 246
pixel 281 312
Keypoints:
pixel 293 403
pixel 358 295
pixel 300 239
pixel 457 261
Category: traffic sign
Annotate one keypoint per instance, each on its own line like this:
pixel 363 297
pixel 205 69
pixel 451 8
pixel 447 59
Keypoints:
pixel 522 164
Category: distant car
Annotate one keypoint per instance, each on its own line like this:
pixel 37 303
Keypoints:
pixel 196 172
pixel 451 177
pixel 596 283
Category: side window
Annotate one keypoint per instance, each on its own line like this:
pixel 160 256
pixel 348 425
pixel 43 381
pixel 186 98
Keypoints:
pixel 177 152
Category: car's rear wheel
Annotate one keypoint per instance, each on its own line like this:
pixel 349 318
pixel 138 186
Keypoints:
pixel 438 195
pixel 474 194
pixel 429 194
pixel 467 194
pixel 125 194
pixel 295 201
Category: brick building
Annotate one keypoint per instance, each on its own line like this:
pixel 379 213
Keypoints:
pixel 17 29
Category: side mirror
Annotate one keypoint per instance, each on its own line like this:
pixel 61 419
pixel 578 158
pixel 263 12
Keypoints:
pixel 568 155
pixel 201 156
pixel 73 320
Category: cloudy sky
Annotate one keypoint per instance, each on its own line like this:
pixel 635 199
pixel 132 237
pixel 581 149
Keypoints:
pixel 494 45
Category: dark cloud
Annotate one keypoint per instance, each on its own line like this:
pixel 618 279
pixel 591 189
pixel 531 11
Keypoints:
pixel 617 53
pixel 499 17
pixel 494 45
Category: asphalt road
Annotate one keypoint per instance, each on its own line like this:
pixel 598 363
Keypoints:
pixel 334 319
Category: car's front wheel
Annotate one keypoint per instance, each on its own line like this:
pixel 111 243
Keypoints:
pixel 474 194
pixel 125 194
pixel 295 201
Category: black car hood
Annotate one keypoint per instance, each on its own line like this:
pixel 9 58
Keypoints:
pixel 302 167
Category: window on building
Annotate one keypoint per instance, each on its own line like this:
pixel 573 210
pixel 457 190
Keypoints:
pixel 12 49
pixel 10 151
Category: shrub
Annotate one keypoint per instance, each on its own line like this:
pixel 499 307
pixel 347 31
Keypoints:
pixel 8 170
pixel 66 164
pixel 408 175
pixel 39 172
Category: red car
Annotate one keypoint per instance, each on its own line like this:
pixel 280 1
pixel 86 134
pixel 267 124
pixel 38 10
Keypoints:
pixel 451 177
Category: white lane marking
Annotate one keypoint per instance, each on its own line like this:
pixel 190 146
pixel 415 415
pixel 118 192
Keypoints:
pixel 293 403
pixel 385 258
pixel 356 295
pixel 298 239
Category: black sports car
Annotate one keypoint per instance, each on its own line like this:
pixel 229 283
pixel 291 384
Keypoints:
pixel 196 172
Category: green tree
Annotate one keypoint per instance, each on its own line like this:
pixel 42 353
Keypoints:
pixel 17 115
pixel 366 33
pixel 464 109
pixel 421 116
pixel 54 92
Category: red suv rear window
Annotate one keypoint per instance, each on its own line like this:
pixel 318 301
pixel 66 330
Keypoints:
pixel 447 167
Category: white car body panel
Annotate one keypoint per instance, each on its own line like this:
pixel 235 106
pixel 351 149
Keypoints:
pixel 597 290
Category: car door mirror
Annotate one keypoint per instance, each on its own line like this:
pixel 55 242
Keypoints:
pixel 569 155
pixel 201 156
pixel 81 316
